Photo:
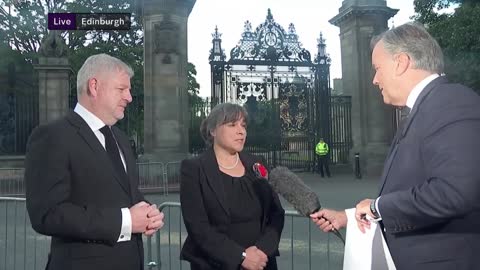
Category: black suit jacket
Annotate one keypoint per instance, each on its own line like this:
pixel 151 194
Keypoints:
pixel 430 188
pixel 75 195
pixel 206 215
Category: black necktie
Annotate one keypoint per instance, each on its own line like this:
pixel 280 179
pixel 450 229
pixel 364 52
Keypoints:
pixel 404 112
pixel 112 150
pixel 403 118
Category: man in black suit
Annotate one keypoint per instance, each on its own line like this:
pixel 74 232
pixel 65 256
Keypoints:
pixel 429 194
pixel 81 178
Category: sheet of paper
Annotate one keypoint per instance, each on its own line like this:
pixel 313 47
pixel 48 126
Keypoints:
pixel 358 246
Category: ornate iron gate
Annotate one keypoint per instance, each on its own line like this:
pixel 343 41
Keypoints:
pixel 286 93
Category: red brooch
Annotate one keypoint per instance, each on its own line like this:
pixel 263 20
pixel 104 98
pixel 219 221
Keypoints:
pixel 260 171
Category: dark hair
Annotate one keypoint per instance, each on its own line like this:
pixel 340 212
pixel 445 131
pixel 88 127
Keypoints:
pixel 221 114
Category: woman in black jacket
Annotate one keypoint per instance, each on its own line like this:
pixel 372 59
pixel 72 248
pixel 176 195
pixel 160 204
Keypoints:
pixel 233 218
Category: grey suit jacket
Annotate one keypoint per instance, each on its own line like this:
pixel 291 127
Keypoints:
pixel 430 187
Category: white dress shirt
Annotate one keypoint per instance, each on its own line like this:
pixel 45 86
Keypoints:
pixel 95 125
pixel 412 97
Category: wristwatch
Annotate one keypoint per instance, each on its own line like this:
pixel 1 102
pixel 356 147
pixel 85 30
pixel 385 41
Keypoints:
pixel 373 209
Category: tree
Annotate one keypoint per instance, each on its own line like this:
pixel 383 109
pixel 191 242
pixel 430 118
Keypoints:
pixel 458 35
pixel 198 108
pixel 23 26
pixel 193 87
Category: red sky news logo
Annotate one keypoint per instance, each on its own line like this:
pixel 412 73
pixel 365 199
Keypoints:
pixel 89 21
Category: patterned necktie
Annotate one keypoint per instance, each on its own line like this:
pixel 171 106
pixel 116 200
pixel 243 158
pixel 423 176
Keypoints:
pixel 112 150
pixel 403 118
pixel 404 112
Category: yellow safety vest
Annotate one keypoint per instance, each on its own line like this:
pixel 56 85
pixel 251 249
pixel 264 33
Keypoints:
pixel 321 149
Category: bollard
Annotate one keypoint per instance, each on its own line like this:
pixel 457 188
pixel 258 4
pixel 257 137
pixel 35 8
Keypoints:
pixel 358 173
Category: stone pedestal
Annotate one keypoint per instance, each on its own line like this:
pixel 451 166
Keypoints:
pixel 372 129
pixel 165 79
pixel 53 78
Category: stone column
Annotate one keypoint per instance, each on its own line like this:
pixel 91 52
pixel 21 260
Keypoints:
pixel 372 130
pixel 53 78
pixel 165 79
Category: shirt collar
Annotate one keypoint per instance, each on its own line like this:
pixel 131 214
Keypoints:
pixel 92 120
pixel 412 97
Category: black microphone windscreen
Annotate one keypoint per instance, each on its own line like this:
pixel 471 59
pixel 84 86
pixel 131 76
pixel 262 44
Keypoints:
pixel 292 189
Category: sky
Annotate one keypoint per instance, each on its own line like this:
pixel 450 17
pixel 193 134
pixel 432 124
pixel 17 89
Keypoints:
pixel 310 17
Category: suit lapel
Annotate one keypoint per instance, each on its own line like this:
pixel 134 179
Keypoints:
pixel 402 132
pixel 248 164
pixel 214 180
pixel 92 141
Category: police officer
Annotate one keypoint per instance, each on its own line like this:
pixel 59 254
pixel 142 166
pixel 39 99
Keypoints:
pixel 322 157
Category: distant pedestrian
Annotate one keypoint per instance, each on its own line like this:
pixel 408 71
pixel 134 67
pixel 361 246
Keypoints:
pixel 322 157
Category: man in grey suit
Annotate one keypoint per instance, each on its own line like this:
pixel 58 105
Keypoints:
pixel 429 194
pixel 82 180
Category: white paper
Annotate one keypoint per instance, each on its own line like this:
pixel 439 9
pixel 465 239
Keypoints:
pixel 358 246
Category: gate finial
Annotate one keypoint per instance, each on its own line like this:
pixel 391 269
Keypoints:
pixel 269 15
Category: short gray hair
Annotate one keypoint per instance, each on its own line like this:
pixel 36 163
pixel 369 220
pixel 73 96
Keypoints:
pixel 97 64
pixel 221 114
pixel 413 39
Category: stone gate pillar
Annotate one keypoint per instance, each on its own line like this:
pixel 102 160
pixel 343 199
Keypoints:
pixel 53 78
pixel 165 79
pixel 359 21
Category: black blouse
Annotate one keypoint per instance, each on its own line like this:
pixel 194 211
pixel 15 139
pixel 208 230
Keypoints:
pixel 245 209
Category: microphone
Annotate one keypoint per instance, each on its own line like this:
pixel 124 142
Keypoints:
pixel 293 189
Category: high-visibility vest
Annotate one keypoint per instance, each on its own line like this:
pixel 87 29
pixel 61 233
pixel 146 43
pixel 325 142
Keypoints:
pixel 321 149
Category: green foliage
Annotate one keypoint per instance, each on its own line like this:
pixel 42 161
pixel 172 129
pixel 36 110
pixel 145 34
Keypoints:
pixel 193 87
pixel 10 56
pixel 458 34
pixel 24 24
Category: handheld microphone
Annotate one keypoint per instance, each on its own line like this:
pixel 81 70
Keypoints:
pixel 294 190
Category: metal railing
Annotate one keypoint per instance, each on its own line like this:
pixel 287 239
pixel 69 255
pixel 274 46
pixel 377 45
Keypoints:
pixel 11 182
pixel 302 246
pixel 20 246
pixel 151 176
pixel 154 177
